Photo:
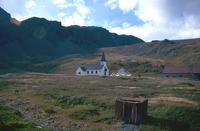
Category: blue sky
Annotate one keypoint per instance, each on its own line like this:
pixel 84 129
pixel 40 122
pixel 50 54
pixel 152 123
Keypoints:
pixel 147 19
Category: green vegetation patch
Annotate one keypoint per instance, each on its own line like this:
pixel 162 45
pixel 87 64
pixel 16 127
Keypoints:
pixel 92 129
pixel 71 101
pixel 85 108
pixel 106 117
pixel 84 112
pixel 173 117
pixel 49 111
pixel 11 120
pixel 4 85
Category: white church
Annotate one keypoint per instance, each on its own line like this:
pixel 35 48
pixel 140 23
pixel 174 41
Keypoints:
pixel 100 69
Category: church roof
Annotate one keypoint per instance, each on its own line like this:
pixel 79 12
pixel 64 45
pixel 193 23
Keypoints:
pixel 103 57
pixel 91 67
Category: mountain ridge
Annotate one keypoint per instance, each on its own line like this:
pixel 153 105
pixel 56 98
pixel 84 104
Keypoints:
pixel 38 40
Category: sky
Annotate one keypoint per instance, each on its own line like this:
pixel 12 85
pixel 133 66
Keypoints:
pixel 146 19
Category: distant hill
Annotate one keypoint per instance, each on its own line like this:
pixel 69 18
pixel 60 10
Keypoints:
pixel 37 40
pixel 173 52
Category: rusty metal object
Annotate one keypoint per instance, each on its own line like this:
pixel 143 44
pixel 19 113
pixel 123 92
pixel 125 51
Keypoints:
pixel 131 110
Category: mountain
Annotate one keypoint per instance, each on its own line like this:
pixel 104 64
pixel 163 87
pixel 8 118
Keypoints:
pixel 5 17
pixel 37 40
pixel 15 21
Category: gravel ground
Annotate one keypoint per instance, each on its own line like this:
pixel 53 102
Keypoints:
pixel 35 114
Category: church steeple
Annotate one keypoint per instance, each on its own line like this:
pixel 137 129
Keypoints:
pixel 103 58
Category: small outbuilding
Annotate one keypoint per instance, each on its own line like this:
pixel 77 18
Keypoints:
pixel 182 71
pixel 122 73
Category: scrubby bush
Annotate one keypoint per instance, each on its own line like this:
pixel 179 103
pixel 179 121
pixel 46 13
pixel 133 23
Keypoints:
pixel 85 113
pixel 70 101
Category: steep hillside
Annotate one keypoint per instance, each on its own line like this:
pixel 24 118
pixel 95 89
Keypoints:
pixel 176 52
pixel 37 40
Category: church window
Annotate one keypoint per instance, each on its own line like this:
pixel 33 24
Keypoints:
pixel 96 72
pixel 91 72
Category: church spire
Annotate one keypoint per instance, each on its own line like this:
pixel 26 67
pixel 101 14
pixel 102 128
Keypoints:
pixel 103 58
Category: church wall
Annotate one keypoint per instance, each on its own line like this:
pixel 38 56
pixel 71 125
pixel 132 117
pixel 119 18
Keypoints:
pixel 80 72
pixel 95 72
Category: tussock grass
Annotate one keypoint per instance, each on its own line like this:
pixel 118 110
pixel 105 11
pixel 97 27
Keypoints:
pixel 84 112
pixel 172 118
pixel 71 101
pixel 4 85
pixel 11 120
pixel 85 108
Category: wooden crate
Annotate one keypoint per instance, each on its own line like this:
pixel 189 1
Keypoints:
pixel 131 110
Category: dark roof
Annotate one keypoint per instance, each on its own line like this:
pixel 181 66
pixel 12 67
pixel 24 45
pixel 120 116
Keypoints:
pixel 177 69
pixel 83 68
pixel 181 69
pixel 91 67
pixel 103 57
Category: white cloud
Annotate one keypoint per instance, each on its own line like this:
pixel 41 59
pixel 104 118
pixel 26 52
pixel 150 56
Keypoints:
pixel 29 4
pixel 62 3
pixel 112 4
pixel 61 14
pixel 125 25
pixel 19 9
pixel 106 24
pixel 82 9
pixel 70 11
pixel 58 2
pixel 172 19
pixel 162 18
pixel 125 6
pixel 78 17
pixel 75 19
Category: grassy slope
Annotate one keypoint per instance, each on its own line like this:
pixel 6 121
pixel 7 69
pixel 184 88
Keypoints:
pixel 169 52
pixel 89 101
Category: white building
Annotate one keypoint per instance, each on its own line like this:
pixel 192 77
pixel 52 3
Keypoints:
pixel 122 73
pixel 100 69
